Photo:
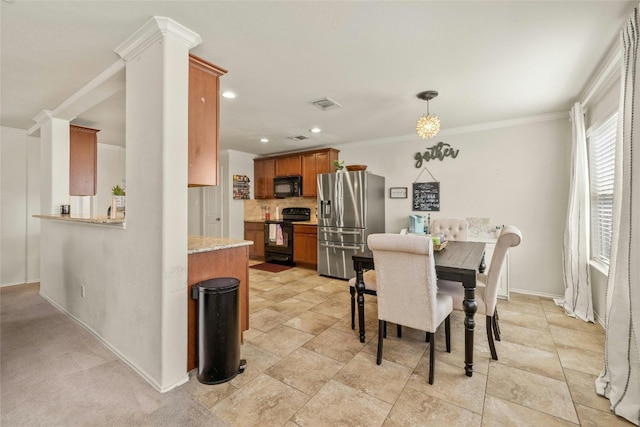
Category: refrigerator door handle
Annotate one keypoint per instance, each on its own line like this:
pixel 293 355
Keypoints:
pixel 328 245
pixel 340 232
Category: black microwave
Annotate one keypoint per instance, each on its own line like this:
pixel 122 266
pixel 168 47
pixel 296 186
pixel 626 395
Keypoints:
pixel 287 186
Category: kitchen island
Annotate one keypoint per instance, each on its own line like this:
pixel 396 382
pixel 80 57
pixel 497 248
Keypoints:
pixel 211 257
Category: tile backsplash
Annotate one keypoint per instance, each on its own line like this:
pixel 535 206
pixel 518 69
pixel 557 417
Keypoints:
pixel 253 207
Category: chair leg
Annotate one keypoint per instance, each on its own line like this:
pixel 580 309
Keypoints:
pixel 496 326
pixel 492 346
pixel 381 326
pixel 447 332
pixel 399 331
pixel 384 332
pixel 352 290
pixel 432 356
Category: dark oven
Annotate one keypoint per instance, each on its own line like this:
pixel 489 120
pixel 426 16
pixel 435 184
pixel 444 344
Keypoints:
pixel 278 235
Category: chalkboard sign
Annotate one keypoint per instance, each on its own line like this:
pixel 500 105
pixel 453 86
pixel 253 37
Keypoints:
pixel 426 196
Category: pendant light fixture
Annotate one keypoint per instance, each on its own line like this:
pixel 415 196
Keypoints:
pixel 427 125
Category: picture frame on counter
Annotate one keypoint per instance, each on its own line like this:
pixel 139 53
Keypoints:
pixel 398 193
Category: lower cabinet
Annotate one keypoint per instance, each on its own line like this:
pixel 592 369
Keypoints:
pixel 305 245
pixel 254 231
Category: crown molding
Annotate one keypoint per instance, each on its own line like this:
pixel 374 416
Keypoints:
pixel 153 30
pixel 466 129
pixel 13 130
pixel 610 67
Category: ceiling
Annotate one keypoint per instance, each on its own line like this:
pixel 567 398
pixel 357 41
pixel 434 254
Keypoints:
pixel 490 61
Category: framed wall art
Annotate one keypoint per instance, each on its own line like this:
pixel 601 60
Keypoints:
pixel 398 193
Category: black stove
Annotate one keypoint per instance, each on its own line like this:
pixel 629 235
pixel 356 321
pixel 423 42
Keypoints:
pixel 278 235
pixel 296 214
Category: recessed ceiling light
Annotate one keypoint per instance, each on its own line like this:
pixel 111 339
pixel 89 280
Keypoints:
pixel 315 130
pixel 228 94
pixel 263 140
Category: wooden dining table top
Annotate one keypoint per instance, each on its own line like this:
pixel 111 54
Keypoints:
pixel 455 256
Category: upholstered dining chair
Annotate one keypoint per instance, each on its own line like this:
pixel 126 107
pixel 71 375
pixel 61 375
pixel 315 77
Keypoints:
pixel 487 289
pixel 407 292
pixel 453 229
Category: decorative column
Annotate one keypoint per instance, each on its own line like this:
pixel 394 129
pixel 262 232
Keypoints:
pixel 54 162
pixel 157 99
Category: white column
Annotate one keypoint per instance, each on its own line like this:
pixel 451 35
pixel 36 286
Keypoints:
pixel 54 162
pixel 157 95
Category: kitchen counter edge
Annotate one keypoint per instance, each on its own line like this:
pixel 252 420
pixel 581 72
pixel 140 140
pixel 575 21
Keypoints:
pixel 262 221
pixel 198 244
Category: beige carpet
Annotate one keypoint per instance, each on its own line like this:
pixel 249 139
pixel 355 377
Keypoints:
pixel 55 373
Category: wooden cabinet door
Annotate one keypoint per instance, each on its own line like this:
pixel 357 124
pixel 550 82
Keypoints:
pixel 83 160
pixel 263 174
pixel 309 175
pixel 204 118
pixel 254 231
pixel 305 244
pixel 315 163
pixel 289 165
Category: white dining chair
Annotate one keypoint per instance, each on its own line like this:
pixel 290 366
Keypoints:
pixel 487 289
pixel 453 229
pixel 407 292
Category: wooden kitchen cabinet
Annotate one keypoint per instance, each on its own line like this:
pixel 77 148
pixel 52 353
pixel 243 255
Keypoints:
pixel 254 231
pixel 264 170
pixel 289 165
pixel 313 164
pixel 204 121
pixel 305 245
pixel 308 164
pixel 83 160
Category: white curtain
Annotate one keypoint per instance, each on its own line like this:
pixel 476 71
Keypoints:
pixel 575 250
pixel 620 378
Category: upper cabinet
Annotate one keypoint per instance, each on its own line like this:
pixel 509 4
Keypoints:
pixel 83 160
pixel 204 121
pixel 313 164
pixel 264 170
pixel 308 164
pixel 289 165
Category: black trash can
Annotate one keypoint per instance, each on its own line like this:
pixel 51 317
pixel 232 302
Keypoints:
pixel 218 329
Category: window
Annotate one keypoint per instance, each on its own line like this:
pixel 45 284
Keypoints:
pixel 602 144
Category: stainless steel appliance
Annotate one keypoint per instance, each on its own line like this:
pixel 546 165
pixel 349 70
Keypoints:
pixel 287 186
pixel 278 235
pixel 350 207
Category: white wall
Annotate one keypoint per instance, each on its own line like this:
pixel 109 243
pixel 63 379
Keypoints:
pixel 235 163
pixel 20 190
pixel 135 279
pixel 111 171
pixel 515 175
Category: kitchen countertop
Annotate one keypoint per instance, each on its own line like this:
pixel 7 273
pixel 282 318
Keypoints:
pixel 261 221
pixel 87 220
pixel 199 244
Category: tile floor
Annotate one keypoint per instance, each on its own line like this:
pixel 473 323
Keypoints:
pixel 306 367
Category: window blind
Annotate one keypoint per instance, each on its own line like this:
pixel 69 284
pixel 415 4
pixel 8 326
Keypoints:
pixel 602 147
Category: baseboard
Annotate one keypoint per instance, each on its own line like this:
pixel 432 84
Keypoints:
pixel 537 294
pixel 115 351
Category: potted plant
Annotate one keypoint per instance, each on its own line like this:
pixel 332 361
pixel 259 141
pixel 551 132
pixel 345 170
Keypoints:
pixel 118 196
pixel 338 165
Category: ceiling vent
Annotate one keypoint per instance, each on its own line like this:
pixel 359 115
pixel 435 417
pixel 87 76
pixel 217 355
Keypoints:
pixel 325 104
pixel 299 138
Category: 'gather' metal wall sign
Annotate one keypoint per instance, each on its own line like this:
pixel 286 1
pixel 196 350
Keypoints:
pixel 438 151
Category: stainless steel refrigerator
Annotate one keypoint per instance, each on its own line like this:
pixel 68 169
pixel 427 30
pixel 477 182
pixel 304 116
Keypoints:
pixel 350 207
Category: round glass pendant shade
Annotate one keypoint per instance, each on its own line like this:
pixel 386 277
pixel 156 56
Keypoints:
pixel 427 126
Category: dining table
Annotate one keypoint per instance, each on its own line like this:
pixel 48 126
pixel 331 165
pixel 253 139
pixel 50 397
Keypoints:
pixel 458 262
